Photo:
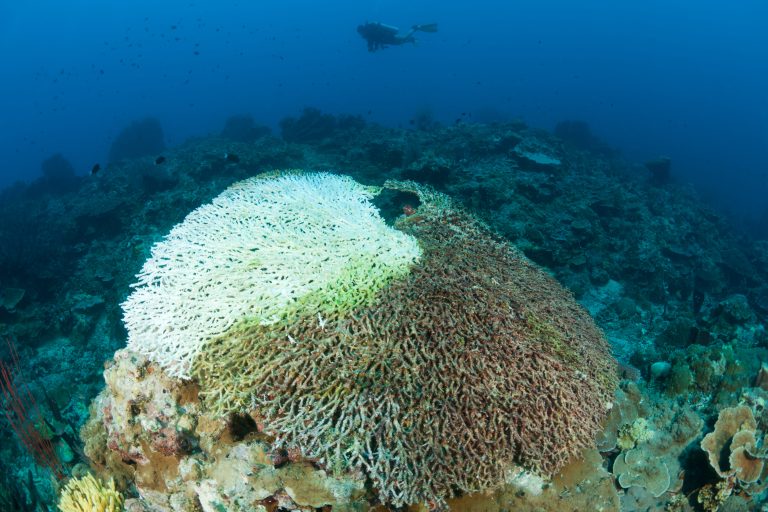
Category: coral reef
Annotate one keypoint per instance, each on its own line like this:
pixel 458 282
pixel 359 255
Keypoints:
pixel 583 484
pixel 151 430
pixel 17 494
pixel 382 375
pixel 736 451
pixel 661 170
pixel 653 436
pixel 58 178
pixel 734 431
pixel 243 129
pixel 639 467
pixel 680 292
pixel 311 126
pixel 579 134
pixel 231 463
pixel 140 138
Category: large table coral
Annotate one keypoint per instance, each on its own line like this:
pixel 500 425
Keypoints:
pixel 458 359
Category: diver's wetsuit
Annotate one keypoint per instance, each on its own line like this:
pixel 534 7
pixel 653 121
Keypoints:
pixel 380 36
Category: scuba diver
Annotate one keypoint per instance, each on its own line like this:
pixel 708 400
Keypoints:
pixel 380 36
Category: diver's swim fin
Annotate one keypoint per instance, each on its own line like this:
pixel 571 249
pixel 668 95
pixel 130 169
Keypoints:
pixel 427 27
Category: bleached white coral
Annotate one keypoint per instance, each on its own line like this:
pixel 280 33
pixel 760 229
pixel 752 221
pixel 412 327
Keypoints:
pixel 263 246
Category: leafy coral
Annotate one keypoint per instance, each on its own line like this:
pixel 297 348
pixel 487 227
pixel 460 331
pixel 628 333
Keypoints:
pixel 639 467
pixel 737 437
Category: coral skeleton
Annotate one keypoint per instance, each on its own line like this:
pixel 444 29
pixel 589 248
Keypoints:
pixel 261 247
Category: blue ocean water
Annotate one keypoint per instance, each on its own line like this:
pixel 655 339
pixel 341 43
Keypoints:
pixel 682 79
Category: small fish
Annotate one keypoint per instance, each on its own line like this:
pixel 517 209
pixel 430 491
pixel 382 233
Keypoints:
pixel 95 169
pixel 231 157
pixel 160 160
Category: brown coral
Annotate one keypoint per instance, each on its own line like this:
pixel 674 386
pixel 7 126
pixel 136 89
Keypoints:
pixel 748 467
pixel 733 424
pixel 738 441
pixel 475 360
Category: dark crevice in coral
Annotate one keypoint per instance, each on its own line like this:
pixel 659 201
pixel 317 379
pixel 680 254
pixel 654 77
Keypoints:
pixel 394 203
pixel 240 425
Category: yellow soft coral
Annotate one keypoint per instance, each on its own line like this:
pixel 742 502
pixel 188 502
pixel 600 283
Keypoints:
pixel 87 494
